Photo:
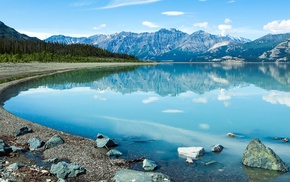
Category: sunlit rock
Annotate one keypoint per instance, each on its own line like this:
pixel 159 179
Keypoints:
pixel 192 152
pixel 149 165
pixel 260 156
pixel 34 143
pixel 53 142
pixel 104 141
pixel 132 175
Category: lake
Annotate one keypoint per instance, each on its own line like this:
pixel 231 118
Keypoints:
pixel 150 111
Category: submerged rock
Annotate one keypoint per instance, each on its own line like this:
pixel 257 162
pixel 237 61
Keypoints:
pixel 132 175
pixel 24 130
pixel 191 152
pixel 114 152
pixel 4 148
pixel 64 170
pixel 217 148
pixel 232 135
pixel 149 165
pixel 104 141
pixel 50 160
pixel 260 156
pixel 34 143
pixel 53 142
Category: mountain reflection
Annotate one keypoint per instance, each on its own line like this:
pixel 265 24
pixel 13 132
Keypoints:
pixel 170 79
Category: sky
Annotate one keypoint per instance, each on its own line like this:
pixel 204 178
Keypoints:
pixel 83 18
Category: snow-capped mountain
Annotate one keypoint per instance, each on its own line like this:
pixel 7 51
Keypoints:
pixel 154 45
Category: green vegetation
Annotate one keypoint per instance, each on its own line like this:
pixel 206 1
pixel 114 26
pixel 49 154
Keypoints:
pixel 13 50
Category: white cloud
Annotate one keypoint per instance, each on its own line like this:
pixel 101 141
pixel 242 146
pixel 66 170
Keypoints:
pixel 100 27
pixel 173 13
pixel 228 21
pixel 172 111
pixel 278 26
pixel 149 24
pixel 201 24
pixel 82 3
pixel 40 35
pixel 200 100
pixel 204 126
pixel 226 27
pixel 150 99
pixel 120 3
pixel 278 98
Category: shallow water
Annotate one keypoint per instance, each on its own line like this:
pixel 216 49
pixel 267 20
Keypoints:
pixel 153 110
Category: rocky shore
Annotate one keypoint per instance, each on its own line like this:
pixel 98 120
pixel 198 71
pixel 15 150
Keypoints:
pixel 75 149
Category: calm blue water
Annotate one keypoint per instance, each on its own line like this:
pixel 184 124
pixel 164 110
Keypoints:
pixel 152 110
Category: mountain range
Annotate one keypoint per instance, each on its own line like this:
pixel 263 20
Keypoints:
pixel 178 46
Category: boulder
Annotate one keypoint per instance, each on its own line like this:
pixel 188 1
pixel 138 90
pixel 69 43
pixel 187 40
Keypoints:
pixel 17 149
pixel 104 141
pixel 260 156
pixel 34 143
pixel 64 170
pixel 192 152
pixel 217 148
pixel 14 166
pixel 4 148
pixel 114 152
pixel 53 142
pixel 149 165
pixel 24 130
pixel 232 135
pixel 132 175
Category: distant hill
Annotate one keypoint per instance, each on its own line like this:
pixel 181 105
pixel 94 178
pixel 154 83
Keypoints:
pixel 17 47
pixel 10 33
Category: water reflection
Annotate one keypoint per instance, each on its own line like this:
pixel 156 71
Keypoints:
pixel 171 105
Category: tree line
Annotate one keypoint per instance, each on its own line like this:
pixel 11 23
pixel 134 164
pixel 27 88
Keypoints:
pixel 12 50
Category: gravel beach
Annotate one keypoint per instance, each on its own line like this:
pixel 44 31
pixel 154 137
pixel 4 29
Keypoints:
pixel 76 149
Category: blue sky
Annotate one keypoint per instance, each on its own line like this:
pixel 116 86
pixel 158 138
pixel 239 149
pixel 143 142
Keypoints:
pixel 243 18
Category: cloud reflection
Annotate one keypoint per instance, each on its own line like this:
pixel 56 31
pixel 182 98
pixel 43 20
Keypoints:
pixel 150 99
pixel 172 111
pixel 278 98
pixel 200 100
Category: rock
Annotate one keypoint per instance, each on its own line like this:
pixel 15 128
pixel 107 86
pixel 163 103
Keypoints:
pixel 149 165
pixel 53 142
pixel 217 148
pixel 24 130
pixel 114 152
pixel 17 149
pixel 132 175
pixel 260 156
pixel 64 170
pixel 14 166
pixel 189 160
pixel 191 152
pixel 34 143
pixel 231 135
pixel 61 180
pixel 209 163
pixel 104 141
pixel 4 148
pixel 285 140
pixel 51 160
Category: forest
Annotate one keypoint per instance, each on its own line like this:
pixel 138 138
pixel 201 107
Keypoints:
pixel 13 50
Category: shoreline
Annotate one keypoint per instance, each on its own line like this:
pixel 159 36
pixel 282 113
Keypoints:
pixel 76 149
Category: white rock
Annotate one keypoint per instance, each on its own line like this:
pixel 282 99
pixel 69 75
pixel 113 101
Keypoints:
pixel 191 152
pixel 189 160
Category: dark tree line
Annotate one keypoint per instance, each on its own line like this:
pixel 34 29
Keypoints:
pixel 31 49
